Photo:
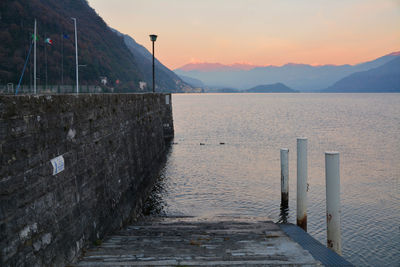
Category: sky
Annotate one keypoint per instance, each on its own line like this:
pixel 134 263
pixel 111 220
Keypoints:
pixel 258 32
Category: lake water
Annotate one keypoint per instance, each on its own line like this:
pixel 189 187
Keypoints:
pixel 242 177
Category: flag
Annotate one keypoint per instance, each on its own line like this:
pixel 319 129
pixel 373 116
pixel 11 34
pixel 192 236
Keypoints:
pixel 48 41
pixel 33 37
pixel 66 36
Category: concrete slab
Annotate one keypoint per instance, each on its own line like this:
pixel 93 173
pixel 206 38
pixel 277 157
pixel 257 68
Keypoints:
pixel 199 242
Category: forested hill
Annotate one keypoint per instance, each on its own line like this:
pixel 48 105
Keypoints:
pixel 101 51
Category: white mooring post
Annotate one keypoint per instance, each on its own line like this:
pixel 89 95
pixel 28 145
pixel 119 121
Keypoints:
pixel 302 183
pixel 284 176
pixel 332 175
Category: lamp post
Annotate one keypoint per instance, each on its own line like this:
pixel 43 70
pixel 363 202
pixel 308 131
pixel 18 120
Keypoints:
pixel 153 38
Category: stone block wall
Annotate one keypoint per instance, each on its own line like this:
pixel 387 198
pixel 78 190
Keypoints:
pixel 112 145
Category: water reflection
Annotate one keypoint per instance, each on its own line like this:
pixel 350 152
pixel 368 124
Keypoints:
pixel 242 176
pixel 155 204
pixel 284 212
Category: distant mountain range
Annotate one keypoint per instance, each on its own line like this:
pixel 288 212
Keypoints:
pixel 217 67
pixel 385 79
pixel 303 77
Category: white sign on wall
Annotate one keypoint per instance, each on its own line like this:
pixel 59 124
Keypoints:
pixel 167 99
pixel 58 164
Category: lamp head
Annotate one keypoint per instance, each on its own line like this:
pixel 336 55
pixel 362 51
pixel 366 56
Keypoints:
pixel 153 37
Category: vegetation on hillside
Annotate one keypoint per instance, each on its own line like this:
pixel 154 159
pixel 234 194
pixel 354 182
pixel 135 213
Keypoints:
pixel 102 52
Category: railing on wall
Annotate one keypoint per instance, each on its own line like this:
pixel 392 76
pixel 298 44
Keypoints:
pixel 10 89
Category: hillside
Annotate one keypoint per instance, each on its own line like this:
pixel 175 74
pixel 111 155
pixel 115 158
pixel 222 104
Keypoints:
pixel 166 80
pixel 222 90
pixel 192 81
pixel 271 88
pixel 101 51
pixel 297 76
pixel 383 79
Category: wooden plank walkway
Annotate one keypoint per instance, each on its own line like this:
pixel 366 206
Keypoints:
pixel 199 242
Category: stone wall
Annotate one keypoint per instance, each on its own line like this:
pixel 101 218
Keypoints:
pixel 112 145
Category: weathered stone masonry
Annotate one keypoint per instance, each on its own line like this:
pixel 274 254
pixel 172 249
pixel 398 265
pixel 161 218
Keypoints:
pixel 111 145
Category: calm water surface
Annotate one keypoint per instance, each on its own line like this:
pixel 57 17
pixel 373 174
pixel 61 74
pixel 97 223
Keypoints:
pixel 242 177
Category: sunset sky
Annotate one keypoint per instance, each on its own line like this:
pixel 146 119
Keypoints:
pixel 260 32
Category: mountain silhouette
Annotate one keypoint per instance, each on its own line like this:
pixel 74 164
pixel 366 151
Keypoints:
pixel 298 76
pixel 270 88
pixel 192 81
pixel 217 67
pixel 383 79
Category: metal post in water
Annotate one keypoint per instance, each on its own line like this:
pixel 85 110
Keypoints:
pixel 332 175
pixel 284 176
pixel 302 183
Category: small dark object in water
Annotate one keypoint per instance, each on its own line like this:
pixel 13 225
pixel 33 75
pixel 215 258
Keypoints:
pixel 202 144
pixel 222 143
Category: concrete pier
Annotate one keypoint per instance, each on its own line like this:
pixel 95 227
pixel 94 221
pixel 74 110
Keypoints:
pixel 221 241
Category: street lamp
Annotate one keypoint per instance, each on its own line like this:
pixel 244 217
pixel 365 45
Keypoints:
pixel 153 38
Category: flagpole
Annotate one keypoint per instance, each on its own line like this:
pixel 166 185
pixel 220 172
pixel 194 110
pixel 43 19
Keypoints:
pixel 76 58
pixel 62 60
pixel 45 57
pixel 34 60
